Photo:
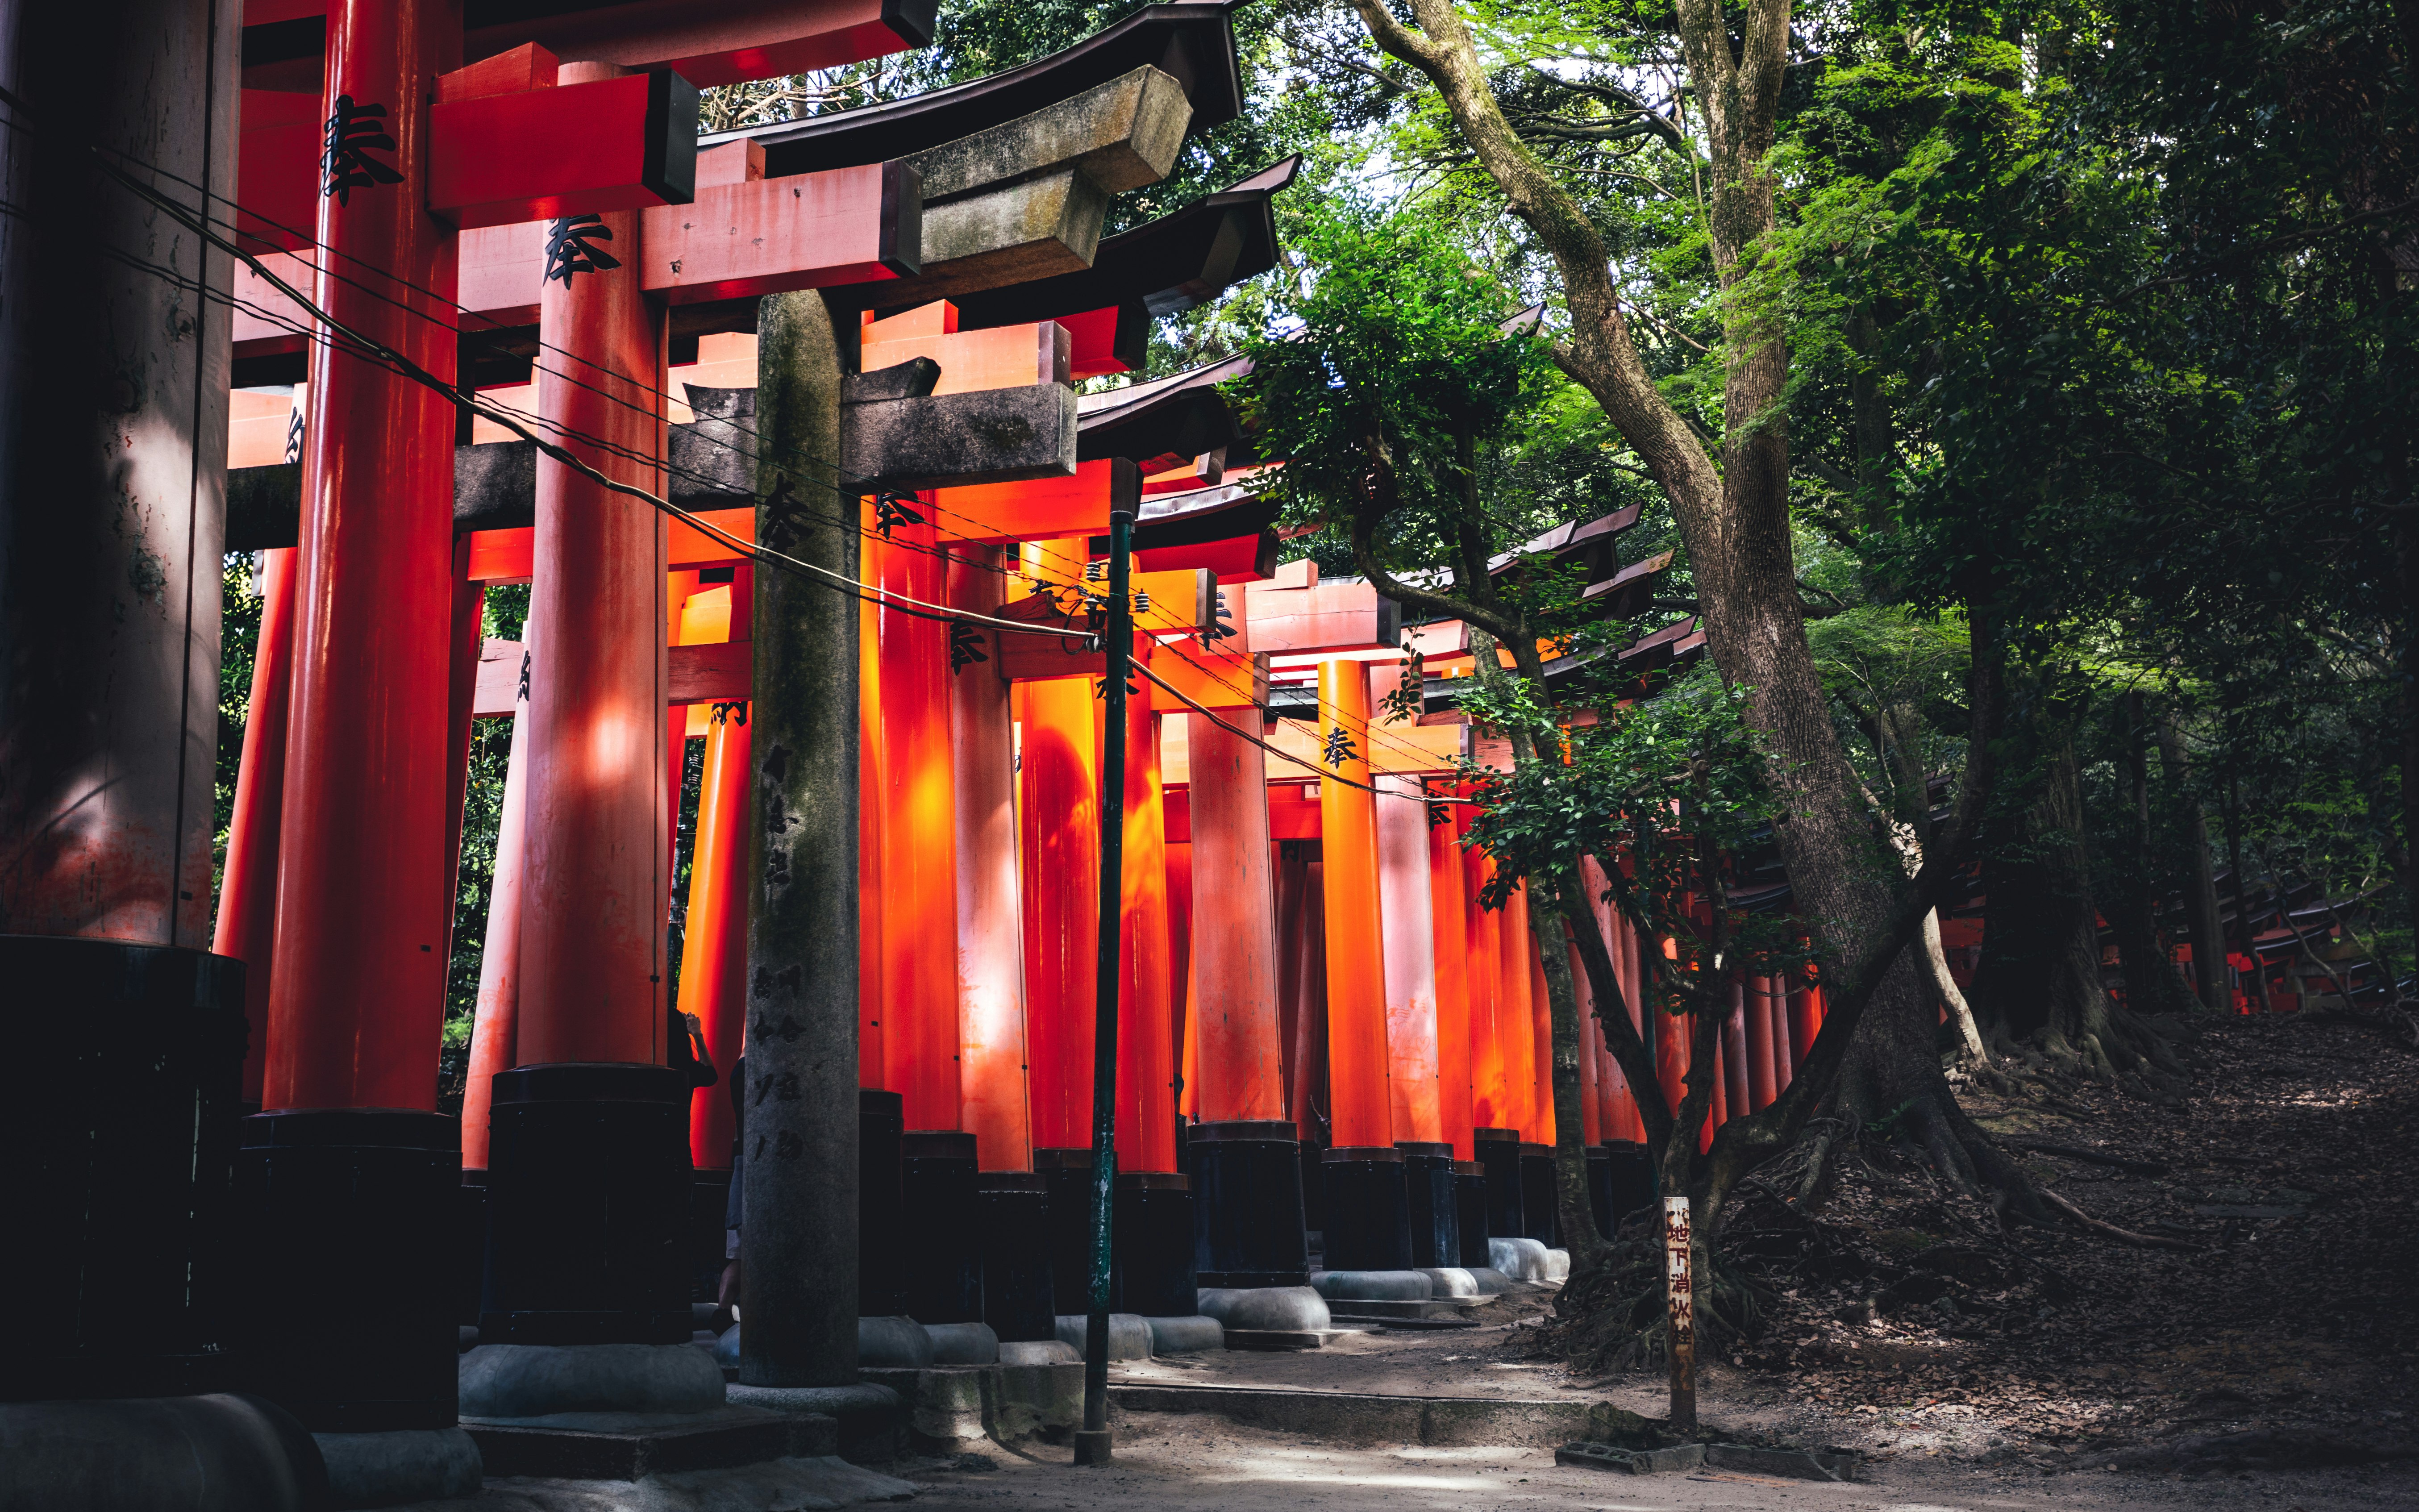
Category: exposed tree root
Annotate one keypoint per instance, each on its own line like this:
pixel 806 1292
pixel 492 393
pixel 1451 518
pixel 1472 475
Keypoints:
pixel 1611 1315
pixel 2090 1157
pixel 2123 1236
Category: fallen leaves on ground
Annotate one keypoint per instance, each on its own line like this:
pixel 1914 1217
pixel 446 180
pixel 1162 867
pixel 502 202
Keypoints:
pixel 2285 1337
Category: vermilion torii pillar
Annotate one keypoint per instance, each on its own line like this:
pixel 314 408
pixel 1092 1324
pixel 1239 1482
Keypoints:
pixel 1413 1050
pixel 713 959
pixel 352 1175
pixel 1456 1006
pixel 1060 828
pixel 247 891
pixel 1012 1201
pixel 1154 1249
pixel 1246 1161
pixel 1368 1223
pixel 911 786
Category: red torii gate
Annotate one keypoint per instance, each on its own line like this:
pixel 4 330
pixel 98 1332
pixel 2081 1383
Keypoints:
pixel 414 146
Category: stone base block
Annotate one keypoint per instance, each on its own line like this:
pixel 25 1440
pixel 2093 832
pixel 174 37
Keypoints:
pixel 1372 1286
pixel 1129 1336
pixel 1558 1265
pixel 960 1344
pixel 1671 1462
pixel 1425 1310
pixel 142 1454
pixel 1797 1464
pixel 1491 1282
pixel 1273 1339
pixel 1523 1260
pixel 1450 1281
pixel 627 1445
pixel 1185 1335
pixel 867 1417
pixel 1042 1352
pixel 948 1409
pixel 895 1344
pixel 1263 1309
pixel 368 1470
pixel 524 1381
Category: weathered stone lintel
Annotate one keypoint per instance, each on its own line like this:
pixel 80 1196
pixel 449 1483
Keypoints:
pixel 988 436
pixel 1123 134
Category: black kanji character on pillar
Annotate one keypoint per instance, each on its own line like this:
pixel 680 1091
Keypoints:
pixel 294 437
pixel 783 529
pixel 888 510
pixel 347 165
pixel 571 247
pixel 966 642
pixel 1339 749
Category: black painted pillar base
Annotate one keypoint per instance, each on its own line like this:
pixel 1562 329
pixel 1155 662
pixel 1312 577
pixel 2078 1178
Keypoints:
pixel 1247 1218
pixel 469 1259
pixel 940 1255
pixel 588 1197
pixel 1630 1187
pixel 1470 1208
pixel 705 1240
pixel 348 1251
pixel 1499 1151
pixel 1368 1213
pixel 120 1127
pixel 880 1127
pixel 1431 1206
pixel 1151 1246
pixel 1541 1217
pixel 1599 1168
pixel 1012 1222
pixel 1068 1174
pixel 1314 1188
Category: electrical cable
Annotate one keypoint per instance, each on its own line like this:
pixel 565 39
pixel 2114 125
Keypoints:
pixel 512 419
pixel 403 366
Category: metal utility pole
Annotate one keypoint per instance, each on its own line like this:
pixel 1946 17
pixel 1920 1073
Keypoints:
pixel 1092 1440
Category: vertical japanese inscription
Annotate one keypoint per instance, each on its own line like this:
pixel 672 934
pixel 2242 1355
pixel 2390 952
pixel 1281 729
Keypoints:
pixel 345 161
pixel 571 247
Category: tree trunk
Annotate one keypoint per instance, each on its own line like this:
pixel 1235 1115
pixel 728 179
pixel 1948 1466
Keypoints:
pixel 1577 1214
pixel 2040 955
pixel 2200 877
pixel 2134 910
pixel 1970 1049
pixel 2242 887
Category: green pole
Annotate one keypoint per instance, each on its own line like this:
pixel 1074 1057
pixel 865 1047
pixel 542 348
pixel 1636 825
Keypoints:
pixel 1092 1441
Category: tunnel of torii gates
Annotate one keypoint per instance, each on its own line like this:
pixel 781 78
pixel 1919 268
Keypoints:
pixel 851 341
pixel 1319 1029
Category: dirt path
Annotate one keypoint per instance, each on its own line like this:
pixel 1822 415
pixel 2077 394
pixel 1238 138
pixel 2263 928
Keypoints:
pixel 2283 1347
pixel 1179 1464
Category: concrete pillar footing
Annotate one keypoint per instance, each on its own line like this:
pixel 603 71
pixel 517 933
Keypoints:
pixel 1373 1286
pixel 1450 1281
pixel 1185 1335
pixel 369 1470
pixel 1265 1309
pixel 1523 1260
pixel 527 1381
pixel 1129 1335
